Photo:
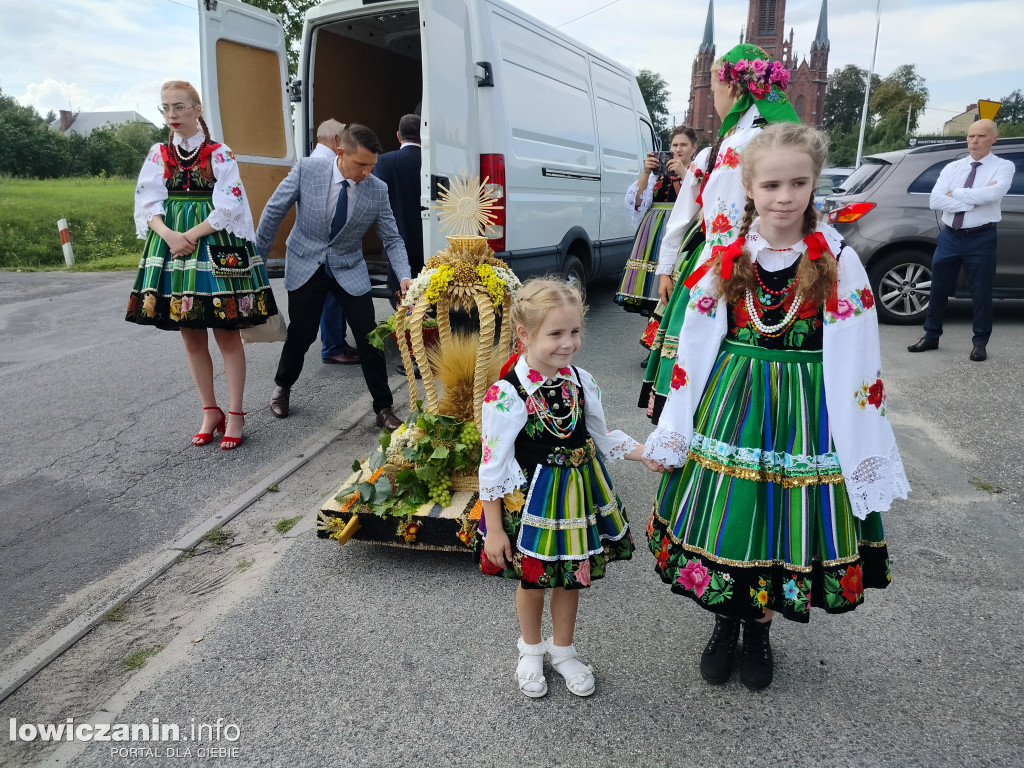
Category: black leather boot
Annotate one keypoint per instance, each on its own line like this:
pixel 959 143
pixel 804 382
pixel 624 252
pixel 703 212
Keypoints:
pixel 757 666
pixel 716 661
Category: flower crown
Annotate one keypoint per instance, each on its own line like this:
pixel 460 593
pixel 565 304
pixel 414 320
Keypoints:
pixel 758 75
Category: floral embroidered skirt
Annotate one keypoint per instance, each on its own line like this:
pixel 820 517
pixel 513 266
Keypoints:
pixel 758 517
pixel 638 290
pixel 221 284
pixel 664 341
pixel 569 527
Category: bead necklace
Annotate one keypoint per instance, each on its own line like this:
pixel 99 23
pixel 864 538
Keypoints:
pixel 187 161
pixel 559 426
pixel 771 331
pixel 766 289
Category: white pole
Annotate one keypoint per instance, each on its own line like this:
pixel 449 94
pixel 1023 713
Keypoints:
pixel 909 108
pixel 65 242
pixel 867 84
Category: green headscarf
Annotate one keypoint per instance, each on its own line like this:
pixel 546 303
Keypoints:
pixel 760 84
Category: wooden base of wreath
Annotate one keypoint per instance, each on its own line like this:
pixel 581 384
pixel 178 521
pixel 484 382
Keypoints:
pixel 432 526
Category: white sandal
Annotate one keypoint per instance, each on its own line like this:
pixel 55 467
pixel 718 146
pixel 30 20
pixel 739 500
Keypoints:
pixel 530 672
pixel 579 677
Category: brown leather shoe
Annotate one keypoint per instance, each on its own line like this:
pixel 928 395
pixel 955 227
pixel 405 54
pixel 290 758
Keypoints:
pixel 279 402
pixel 346 357
pixel 386 419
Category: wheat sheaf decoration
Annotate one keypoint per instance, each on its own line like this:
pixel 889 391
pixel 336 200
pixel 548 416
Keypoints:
pixel 465 207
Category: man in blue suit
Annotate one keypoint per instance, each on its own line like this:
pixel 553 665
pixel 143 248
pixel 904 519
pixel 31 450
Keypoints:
pixel 400 170
pixel 336 204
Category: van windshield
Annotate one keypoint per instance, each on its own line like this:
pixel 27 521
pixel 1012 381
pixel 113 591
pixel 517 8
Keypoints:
pixel 862 178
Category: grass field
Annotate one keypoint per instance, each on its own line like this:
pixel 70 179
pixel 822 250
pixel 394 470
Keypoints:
pixel 99 214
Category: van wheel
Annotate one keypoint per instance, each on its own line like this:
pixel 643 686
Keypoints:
pixel 902 282
pixel 573 273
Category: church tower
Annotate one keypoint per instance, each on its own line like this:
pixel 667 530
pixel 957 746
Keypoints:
pixel 765 22
pixel 701 115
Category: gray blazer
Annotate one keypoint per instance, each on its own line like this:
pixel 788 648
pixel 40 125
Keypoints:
pixel 309 244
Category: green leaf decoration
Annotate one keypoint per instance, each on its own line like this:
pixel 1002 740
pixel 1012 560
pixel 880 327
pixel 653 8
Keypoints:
pixel 440 453
pixel 365 490
pixel 356 466
pixel 377 460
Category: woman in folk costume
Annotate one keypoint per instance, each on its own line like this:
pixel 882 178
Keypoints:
pixel 650 199
pixel 747 87
pixel 200 268
pixel 776 423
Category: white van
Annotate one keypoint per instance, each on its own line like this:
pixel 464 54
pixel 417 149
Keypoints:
pixel 558 129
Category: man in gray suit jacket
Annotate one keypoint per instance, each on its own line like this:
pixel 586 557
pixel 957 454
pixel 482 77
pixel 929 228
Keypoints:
pixel 336 204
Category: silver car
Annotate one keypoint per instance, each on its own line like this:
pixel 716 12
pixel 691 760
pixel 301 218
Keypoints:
pixel 881 210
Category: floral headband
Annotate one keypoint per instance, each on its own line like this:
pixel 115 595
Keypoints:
pixel 758 75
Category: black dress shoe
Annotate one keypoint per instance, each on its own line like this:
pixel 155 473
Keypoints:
pixel 279 402
pixel 978 353
pixel 345 357
pixel 386 419
pixel 923 345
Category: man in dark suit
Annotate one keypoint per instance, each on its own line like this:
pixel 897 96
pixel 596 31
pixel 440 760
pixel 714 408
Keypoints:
pixel 336 201
pixel 400 170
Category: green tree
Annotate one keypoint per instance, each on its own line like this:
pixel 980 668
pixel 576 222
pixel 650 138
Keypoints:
pixel 654 89
pixel 844 98
pixel 904 93
pixel 293 13
pixel 20 130
pixel 1012 110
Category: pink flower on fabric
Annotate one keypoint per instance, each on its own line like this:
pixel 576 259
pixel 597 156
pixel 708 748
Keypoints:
pixel 844 309
pixel 759 66
pixel 563 371
pixel 583 573
pixel 534 377
pixel 531 407
pixel 245 304
pixel 186 303
pixel 705 304
pixel 492 394
pixel 486 455
pixel 695 576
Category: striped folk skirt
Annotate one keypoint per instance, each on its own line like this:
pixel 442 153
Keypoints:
pixel 565 526
pixel 638 290
pixel 758 518
pixel 221 284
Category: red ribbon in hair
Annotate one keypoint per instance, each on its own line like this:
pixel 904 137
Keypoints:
pixel 728 253
pixel 817 246
pixel 509 364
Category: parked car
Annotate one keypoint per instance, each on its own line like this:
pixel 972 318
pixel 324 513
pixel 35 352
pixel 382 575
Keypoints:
pixel 882 212
pixel 829 181
pixel 559 129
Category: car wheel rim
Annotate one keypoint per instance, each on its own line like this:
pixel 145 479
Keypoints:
pixel 904 289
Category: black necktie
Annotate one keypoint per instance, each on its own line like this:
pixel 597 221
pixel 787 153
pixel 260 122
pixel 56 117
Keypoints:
pixel 341 210
pixel 958 217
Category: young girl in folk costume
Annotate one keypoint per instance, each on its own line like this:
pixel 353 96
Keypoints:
pixel 551 518
pixel 747 87
pixel 773 505
pixel 199 268
pixel 649 200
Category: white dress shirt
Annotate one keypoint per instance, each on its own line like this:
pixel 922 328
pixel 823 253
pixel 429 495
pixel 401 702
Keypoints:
pixel 322 150
pixel 980 203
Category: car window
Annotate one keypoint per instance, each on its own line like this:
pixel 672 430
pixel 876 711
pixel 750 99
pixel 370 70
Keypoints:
pixel 924 183
pixel 862 178
pixel 1017 185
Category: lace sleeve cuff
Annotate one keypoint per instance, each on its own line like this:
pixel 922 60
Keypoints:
pixel 665 269
pixel 237 223
pixel 503 485
pixel 875 482
pixel 668 448
pixel 618 451
pixel 143 213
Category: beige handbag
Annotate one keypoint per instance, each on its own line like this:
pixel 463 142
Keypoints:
pixel 275 329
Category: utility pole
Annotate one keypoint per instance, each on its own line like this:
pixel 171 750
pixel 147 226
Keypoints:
pixel 909 108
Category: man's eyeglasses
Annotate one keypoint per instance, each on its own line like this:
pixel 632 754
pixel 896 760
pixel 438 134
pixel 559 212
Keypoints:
pixel 175 109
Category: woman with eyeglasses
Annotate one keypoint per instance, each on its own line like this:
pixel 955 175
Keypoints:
pixel 200 268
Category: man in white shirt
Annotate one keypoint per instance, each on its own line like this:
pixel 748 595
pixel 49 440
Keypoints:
pixel 968 193
pixel 333 348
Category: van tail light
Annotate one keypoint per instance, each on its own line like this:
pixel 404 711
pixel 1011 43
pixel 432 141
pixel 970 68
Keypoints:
pixel 492 168
pixel 849 213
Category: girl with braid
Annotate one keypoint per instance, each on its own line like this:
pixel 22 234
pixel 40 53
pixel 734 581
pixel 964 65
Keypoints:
pixel 200 268
pixel 747 87
pixel 779 453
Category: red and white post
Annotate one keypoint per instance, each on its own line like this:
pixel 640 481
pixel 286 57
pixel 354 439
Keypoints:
pixel 65 242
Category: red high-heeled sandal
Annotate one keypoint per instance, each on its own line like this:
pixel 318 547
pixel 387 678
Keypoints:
pixel 205 438
pixel 230 443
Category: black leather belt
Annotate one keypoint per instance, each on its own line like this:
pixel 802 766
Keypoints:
pixel 973 230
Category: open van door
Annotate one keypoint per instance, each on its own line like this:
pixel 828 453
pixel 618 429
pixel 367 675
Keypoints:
pixel 450 124
pixel 245 72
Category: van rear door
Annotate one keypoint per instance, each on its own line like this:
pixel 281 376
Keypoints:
pixel 245 70
pixel 450 129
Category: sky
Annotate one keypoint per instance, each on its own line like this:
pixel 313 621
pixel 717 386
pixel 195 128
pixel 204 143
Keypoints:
pixel 113 54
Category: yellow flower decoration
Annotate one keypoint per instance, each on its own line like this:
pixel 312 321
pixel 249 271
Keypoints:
pixel 491 282
pixel 439 282
pixel 514 501
pixel 175 309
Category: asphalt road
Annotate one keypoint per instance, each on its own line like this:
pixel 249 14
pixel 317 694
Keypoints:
pixel 366 655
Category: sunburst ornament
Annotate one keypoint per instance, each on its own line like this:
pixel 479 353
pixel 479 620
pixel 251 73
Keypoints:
pixel 466 207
